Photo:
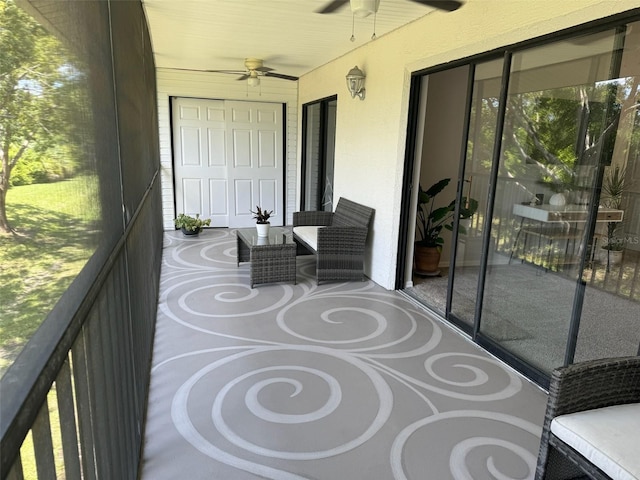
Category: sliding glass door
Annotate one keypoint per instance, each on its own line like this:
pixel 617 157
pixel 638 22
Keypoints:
pixel 475 188
pixel 557 138
pixel 610 320
pixel 547 271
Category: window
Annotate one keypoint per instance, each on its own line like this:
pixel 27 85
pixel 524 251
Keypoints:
pixel 319 126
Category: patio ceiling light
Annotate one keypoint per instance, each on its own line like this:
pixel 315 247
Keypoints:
pixel 364 8
pixel 355 83
pixel 253 80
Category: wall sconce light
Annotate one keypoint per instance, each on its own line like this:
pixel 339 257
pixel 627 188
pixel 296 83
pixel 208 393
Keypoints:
pixel 355 83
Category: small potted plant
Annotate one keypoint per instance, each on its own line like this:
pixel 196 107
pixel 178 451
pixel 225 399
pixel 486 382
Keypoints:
pixel 429 224
pixel 262 221
pixel 190 225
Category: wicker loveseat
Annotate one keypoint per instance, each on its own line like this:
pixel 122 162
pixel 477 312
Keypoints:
pixel 592 423
pixel 336 238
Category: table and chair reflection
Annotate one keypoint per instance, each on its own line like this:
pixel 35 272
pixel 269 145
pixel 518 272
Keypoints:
pixel 552 227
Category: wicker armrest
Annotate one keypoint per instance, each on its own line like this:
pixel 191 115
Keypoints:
pixel 312 218
pixel 594 384
pixel 342 240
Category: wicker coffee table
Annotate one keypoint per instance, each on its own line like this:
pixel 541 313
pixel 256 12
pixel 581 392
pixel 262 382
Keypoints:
pixel 273 258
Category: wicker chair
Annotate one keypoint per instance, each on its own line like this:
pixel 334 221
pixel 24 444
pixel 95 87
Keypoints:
pixel 577 388
pixel 339 245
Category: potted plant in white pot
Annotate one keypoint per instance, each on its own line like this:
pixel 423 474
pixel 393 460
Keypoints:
pixel 429 224
pixel 262 221
pixel 190 225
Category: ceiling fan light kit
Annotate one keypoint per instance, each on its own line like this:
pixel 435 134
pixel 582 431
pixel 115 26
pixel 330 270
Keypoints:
pixel 364 8
pixel 355 83
pixel 253 80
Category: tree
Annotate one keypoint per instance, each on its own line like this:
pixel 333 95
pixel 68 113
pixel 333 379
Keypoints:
pixel 31 76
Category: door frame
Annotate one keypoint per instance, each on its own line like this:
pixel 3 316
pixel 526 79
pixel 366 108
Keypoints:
pixel 323 102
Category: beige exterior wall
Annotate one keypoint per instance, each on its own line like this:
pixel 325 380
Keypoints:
pixel 371 134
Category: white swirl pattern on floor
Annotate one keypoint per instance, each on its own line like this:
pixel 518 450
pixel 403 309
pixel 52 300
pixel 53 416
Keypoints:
pixel 338 381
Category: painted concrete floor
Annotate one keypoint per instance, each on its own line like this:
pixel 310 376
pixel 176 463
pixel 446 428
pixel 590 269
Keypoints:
pixel 338 381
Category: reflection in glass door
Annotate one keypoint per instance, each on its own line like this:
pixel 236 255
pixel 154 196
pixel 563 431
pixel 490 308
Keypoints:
pixel 475 188
pixel 555 140
pixel 319 127
pixel 610 320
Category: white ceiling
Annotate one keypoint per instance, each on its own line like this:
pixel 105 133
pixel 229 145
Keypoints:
pixel 287 34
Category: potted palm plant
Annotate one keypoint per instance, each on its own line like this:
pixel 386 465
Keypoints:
pixel 429 224
pixel 262 221
pixel 190 225
pixel 613 187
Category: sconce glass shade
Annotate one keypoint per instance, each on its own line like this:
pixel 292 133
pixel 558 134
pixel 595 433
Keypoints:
pixel 355 83
pixel 253 81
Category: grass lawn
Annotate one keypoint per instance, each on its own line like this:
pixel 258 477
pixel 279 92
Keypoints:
pixel 40 260
pixel 38 263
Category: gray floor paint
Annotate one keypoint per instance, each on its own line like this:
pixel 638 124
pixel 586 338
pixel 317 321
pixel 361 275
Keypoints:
pixel 338 381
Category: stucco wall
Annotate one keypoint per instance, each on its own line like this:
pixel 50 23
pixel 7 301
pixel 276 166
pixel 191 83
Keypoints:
pixel 173 83
pixel 371 134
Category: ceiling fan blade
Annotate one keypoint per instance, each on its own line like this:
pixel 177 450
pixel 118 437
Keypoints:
pixel 234 72
pixel 280 75
pixel 448 5
pixel 243 77
pixel 332 6
pixel 263 69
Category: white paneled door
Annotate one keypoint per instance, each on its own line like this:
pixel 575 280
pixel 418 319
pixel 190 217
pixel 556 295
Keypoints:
pixel 229 158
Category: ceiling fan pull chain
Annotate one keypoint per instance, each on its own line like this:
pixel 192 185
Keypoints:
pixel 375 16
pixel 353 27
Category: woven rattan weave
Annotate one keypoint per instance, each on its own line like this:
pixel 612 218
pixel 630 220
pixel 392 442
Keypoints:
pixel 341 241
pixel 273 258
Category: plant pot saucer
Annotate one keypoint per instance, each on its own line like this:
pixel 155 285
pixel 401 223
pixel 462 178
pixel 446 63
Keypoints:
pixel 422 273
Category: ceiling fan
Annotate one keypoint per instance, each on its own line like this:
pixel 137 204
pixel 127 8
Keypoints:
pixel 254 69
pixel 363 8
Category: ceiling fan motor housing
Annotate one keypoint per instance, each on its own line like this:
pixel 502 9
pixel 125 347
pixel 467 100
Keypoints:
pixel 252 63
pixel 364 8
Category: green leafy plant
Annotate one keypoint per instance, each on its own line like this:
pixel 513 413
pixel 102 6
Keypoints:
pixel 191 224
pixel 430 220
pixel 559 179
pixel 262 216
pixel 613 187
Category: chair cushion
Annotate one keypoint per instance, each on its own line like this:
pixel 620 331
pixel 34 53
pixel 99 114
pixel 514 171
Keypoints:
pixel 607 437
pixel 308 234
